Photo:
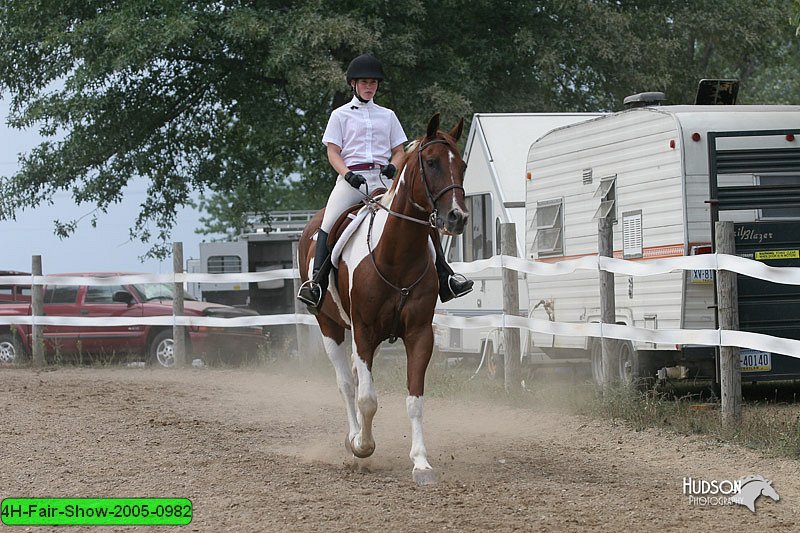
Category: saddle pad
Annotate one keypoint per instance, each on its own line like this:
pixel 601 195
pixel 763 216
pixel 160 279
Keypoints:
pixel 342 239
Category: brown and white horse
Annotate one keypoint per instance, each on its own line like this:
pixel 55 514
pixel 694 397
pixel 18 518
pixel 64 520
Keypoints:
pixel 386 285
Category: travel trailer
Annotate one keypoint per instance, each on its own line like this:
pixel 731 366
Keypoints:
pixel 664 175
pixel 494 183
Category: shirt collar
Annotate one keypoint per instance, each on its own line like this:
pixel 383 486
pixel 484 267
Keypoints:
pixel 358 103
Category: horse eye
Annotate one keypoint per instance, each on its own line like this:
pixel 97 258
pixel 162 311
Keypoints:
pixel 433 163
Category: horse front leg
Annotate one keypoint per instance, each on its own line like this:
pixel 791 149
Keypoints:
pixel 363 443
pixel 344 379
pixel 419 346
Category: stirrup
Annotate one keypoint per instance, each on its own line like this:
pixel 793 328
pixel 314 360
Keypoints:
pixel 465 285
pixel 306 293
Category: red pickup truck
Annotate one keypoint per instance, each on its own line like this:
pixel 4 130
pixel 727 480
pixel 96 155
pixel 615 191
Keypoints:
pixel 153 343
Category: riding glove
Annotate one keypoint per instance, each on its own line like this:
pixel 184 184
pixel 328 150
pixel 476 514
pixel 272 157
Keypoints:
pixel 356 180
pixel 389 171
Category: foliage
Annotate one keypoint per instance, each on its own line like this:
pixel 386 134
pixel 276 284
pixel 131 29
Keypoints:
pixel 230 97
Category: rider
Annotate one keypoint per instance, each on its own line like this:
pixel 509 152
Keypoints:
pixel 365 144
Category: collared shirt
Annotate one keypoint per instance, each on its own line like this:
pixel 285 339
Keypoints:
pixel 366 133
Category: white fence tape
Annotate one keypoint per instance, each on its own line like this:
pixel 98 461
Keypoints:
pixel 747 267
pixel 755 269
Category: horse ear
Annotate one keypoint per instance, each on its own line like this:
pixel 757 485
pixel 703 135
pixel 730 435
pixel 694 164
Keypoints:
pixel 455 133
pixel 433 126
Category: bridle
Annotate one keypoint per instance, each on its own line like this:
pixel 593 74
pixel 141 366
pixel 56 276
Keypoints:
pixel 431 221
pixel 433 199
pixel 434 213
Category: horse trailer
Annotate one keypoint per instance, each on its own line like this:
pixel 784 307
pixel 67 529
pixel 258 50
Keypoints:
pixel 262 248
pixel 664 175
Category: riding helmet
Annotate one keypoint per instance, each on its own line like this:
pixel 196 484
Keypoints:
pixel 365 66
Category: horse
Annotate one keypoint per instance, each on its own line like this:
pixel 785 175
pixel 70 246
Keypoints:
pixel 385 285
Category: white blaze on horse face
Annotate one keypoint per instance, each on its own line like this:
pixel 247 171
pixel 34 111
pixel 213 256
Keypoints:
pixel 419 454
pixel 452 159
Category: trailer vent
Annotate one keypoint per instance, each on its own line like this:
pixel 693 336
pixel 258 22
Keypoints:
pixel 587 176
pixel 632 234
pixel 224 264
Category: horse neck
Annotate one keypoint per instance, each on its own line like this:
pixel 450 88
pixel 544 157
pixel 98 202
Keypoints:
pixel 413 236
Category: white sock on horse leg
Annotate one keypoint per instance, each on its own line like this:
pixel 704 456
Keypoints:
pixel 344 380
pixel 414 406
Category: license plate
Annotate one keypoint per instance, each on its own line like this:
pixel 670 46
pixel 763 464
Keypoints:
pixel 755 361
pixel 702 276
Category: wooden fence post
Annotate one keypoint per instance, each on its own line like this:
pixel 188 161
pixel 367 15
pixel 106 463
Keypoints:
pixel 608 309
pixel 508 246
pixel 178 332
pixel 728 314
pixel 37 310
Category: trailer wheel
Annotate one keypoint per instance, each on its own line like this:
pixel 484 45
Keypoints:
pixel 628 362
pixel 598 372
pixel 10 348
pixel 162 349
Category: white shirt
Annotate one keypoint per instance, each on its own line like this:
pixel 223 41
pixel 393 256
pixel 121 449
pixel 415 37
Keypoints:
pixel 366 133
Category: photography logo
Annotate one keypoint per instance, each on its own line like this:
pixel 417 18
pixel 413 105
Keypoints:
pixel 743 491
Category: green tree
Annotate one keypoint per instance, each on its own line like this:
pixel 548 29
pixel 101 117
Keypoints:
pixel 230 97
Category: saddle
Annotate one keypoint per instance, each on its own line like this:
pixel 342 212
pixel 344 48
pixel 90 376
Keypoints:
pixel 344 227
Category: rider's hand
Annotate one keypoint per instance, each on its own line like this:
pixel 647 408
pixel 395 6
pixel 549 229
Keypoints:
pixel 389 171
pixel 356 180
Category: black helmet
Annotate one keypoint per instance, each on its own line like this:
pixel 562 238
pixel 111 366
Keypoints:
pixel 364 66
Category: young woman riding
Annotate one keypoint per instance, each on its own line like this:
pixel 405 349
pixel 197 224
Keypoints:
pixel 365 145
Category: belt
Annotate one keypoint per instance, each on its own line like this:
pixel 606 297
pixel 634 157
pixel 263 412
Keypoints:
pixel 365 166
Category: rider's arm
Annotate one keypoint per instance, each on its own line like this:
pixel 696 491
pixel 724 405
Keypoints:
pixel 336 160
pixel 397 155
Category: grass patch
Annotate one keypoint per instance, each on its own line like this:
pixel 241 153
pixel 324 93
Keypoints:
pixel 773 428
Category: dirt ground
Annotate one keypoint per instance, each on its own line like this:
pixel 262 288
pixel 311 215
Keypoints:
pixel 260 451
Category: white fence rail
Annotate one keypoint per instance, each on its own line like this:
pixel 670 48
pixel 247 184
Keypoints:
pixel 709 337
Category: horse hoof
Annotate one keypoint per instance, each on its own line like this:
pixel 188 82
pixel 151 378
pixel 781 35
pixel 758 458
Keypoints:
pixel 361 454
pixel 423 477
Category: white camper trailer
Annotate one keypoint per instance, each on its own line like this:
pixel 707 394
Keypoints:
pixel 494 184
pixel 649 168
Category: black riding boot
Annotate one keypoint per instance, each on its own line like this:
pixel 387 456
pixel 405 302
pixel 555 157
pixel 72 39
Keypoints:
pixel 451 285
pixel 312 292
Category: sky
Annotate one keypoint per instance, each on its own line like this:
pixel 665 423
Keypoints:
pixel 105 248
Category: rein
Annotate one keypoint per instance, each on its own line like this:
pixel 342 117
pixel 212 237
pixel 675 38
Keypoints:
pixel 406 291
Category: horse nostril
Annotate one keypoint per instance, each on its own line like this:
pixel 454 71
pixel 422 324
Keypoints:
pixel 456 220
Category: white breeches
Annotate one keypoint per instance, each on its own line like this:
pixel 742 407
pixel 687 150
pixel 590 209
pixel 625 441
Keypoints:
pixel 344 195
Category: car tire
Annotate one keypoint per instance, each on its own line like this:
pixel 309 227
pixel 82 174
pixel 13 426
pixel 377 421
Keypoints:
pixel 162 349
pixel 10 349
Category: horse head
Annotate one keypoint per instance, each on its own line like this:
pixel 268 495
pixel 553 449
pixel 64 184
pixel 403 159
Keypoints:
pixel 436 171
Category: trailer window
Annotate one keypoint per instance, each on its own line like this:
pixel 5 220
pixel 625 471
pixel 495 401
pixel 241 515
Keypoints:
pixel 478 234
pixel 779 212
pixel 224 264
pixel 549 225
